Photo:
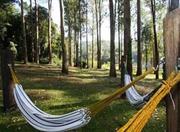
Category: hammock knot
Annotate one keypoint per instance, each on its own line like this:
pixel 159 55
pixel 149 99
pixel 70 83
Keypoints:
pixel 167 84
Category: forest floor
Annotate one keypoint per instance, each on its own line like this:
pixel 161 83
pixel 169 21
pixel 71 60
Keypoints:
pixel 57 94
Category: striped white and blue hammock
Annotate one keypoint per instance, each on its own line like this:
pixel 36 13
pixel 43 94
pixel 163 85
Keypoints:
pixel 133 96
pixel 46 122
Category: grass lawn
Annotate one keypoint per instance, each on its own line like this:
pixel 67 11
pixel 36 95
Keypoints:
pixel 57 94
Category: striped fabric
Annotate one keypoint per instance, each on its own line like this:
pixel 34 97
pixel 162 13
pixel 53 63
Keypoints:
pixel 46 122
pixel 132 95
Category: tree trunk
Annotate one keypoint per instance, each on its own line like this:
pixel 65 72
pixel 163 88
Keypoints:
pixel 156 52
pixel 146 50
pixel 31 38
pixel 112 37
pixel 99 43
pixel 119 38
pixel 49 31
pixel 87 53
pixel 7 58
pixel 139 52
pixel 92 65
pixel 171 32
pixel 24 32
pixel 80 35
pixel 69 46
pixel 37 33
pixel 97 37
pixel 64 47
pixel 127 36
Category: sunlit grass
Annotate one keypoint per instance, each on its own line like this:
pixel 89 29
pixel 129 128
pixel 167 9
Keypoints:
pixel 57 94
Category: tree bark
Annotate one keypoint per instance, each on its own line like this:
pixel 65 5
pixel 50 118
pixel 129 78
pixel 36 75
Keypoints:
pixel 64 47
pixel 119 36
pixel 69 45
pixel 31 38
pixel 24 32
pixel 112 37
pixel 87 53
pixel 7 58
pixel 139 52
pixel 127 36
pixel 99 43
pixel 92 65
pixel 49 30
pixel 155 49
pixel 97 37
pixel 37 33
pixel 80 35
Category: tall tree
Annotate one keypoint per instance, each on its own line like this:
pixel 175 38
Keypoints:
pixel 69 7
pixel 92 65
pixel 87 53
pixel 112 38
pixel 64 47
pixel 155 47
pixel 37 33
pixel 99 43
pixel 30 31
pixel 76 45
pixel 49 31
pixel 80 34
pixel 139 52
pixel 24 32
pixel 97 34
pixel 127 36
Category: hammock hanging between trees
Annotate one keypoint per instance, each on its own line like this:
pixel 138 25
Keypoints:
pixel 139 120
pixel 76 119
pixel 133 96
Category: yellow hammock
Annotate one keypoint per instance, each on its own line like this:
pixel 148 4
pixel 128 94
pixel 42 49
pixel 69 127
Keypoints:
pixel 139 120
pixel 97 107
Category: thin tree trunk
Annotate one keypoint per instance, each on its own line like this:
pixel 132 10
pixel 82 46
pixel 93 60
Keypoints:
pixel 87 53
pixel 31 38
pixel 156 52
pixel 93 40
pixel 24 33
pixel 49 31
pixel 37 34
pixel 119 39
pixel 76 46
pixel 64 47
pixel 69 46
pixel 112 37
pixel 97 37
pixel 74 59
pixel 139 52
pixel 80 34
pixel 99 43
pixel 146 50
pixel 127 36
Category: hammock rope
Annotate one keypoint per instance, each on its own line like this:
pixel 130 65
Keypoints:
pixel 139 120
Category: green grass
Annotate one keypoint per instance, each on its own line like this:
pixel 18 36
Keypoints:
pixel 58 94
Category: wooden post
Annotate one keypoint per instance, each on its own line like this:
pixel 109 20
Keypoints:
pixel 7 57
pixel 172 52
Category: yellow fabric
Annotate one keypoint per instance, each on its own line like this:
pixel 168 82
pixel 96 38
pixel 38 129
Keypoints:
pixel 139 120
pixel 97 107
